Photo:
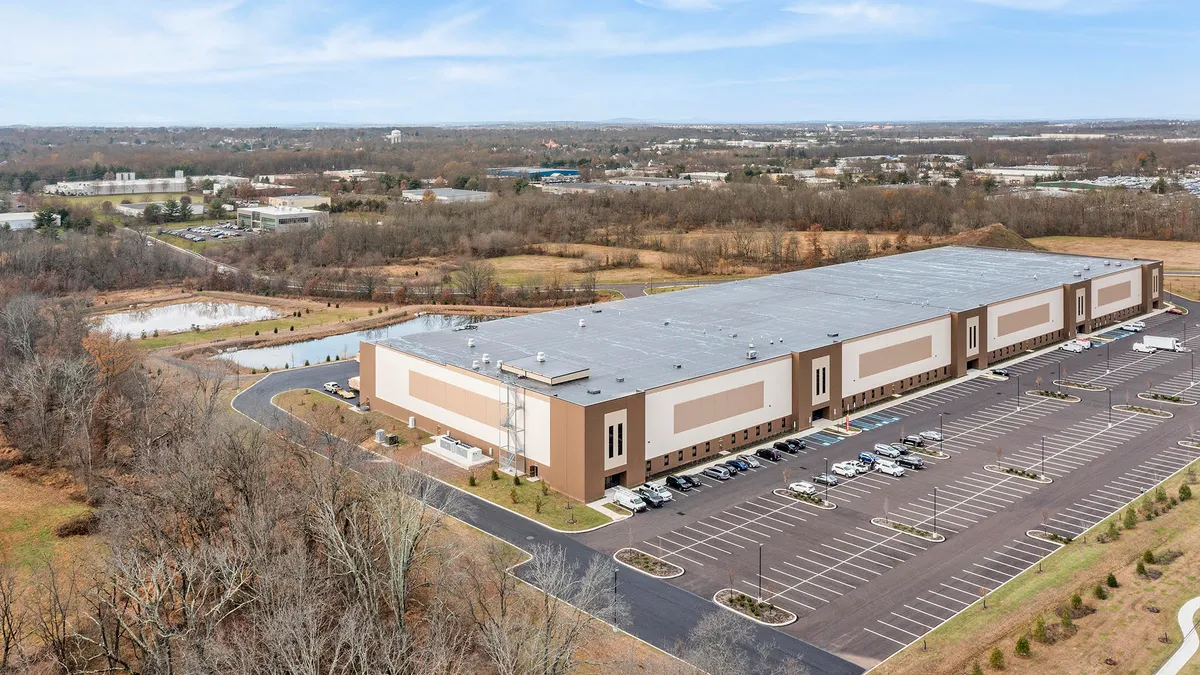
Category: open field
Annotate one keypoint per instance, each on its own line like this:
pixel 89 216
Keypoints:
pixel 1176 255
pixel 1188 287
pixel 29 512
pixel 551 508
pixel 97 200
pixel 1121 628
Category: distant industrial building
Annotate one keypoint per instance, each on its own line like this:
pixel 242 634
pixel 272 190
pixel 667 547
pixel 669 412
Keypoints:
pixel 1018 175
pixel 395 137
pixel 535 173
pixel 129 184
pixel 136 210
pixel 654 182
pixel 299 201
pixel 587 188
pixel 589 398
pixel 22 221
pixel 276 218
pixel 446 195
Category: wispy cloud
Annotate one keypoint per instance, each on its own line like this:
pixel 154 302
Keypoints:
pixel 1064 6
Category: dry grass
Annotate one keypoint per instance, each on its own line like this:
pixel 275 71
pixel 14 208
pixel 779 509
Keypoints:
pixel 1176 255
pixel 1120 629
pixel 28 515
pixel 1188 287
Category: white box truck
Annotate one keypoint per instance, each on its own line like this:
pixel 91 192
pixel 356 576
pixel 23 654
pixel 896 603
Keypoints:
pixel 1169 344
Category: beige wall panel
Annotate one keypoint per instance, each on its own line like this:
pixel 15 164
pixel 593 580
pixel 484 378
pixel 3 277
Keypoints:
pixel 717 407
pixel 896 356
pixel 1116 292
pixel 1023 319
pixel 466 403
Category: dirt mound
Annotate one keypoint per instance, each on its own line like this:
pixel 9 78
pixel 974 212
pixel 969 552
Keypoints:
pixel 995 235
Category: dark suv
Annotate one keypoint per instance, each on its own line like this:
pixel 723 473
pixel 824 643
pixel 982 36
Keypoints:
pixel 649 496
pixel 910 462
pixel 769 453
pixel 784 447
pixel 797 443
pixel 682 483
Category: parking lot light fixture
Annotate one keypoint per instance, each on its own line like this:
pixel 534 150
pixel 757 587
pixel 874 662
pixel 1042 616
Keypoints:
pixel 760 595
pixel 1110 407
pixel 1018 392
pixel 941 435
pixel 1043 455
pixel 826 481
pixel 935 511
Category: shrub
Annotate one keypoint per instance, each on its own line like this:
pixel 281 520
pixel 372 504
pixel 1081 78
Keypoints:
pixel 545 489
pixel 1022 648
pixel 1111 581
pixel 1099 592
pixel 513 494
pixel 1112 531
pixel 1065 620
pixel 996 659
pixel 1141 569
pixel 291 328
pixel 78 526
pixel 495 475
pixel 1130 521
pixel 276 330
pixel 516 480
pixel 1160 495
pixel 1148 557
pixel 256 333
pixel 471 480
pixel 327 359
pixel 1076 601
pixel 1039 630
pixel 306 362
pixel 537 504
pixel 977 670
pixel 1185 492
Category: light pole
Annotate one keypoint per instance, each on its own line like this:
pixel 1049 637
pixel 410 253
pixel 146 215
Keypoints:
pixel 935 511
pixel 826 481
pixel 1018 392
pixel 941 436
pixel 1043 455
pixel 760 573
pixel 1107 355
pixel 1110 407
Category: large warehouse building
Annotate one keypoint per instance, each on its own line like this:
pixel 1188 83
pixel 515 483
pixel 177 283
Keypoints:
pixel 591 397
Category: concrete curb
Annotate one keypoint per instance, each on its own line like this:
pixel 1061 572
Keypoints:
pixel 993 468
pixel 638 569
pixel 1081 386
pixel 1191 642
pixel 887 525
pixel 1040 535
pixel 747 616
pixel 1070 398
pixel 1184 402
pixel 824 505
pixel 1128 409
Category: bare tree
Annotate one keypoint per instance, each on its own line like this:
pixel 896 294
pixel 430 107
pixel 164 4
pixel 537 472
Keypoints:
pixel 474 278
pixel 723 643
pixel 12 618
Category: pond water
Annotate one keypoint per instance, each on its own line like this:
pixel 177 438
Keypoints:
pixel 182 317
pixel 344 346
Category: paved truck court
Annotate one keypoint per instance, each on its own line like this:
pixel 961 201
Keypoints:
pixel 863 591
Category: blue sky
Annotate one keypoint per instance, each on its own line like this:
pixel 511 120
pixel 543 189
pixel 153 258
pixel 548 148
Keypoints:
pixel 395 63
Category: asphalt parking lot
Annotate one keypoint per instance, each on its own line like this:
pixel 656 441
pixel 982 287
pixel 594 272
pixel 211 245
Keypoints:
pixel 864 591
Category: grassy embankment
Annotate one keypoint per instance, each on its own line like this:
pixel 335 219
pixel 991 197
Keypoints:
pixel 555 509
pixel 1121 629
pixel 1181 256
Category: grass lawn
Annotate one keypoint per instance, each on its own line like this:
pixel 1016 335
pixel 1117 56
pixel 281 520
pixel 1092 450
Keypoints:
pixel 1188 287
pixel 665 289
pixel 325 413
pixel 1120 629
pixel 28 515
pixel 97 200
pixel 1176 255
pixel 321 317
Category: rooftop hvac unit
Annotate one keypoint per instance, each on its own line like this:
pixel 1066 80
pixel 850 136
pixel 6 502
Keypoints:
pixel 471 342
pixel 1087 267
pixel 500 364
pixel 475 364
pixel 620 379
pixel 541 357
pixel 596 310
pixel 487 358
pixel 1118 263
pixel 381 436
pixel 1078 273
pixel 1107 263
pixel 593 391
pixel 750 345
pixel 678 366
pixel 751 354
pixel 582 323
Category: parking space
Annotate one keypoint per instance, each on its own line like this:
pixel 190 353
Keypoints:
pixel 866 590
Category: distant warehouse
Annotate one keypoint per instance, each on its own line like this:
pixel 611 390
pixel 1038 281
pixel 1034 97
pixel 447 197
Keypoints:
pixel 592 397
pixel 446 195
pixel 277 218
pixel 22 221
pixel 535 173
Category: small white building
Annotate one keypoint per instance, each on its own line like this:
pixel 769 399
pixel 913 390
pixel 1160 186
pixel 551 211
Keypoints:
pixel 299 201
pixel 277 218
pixel 394 137
pixel 446 195
pixel 21 221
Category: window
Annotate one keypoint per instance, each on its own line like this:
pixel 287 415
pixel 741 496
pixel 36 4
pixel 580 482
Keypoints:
pixel 745 434
pixel 821 382
pixel 693 451
pixel 647 466
pixel 666 460
pixel 681 455
pixel 610 442
pixel 757 431
pixel 732 439
pixel 533 471
pixel 707 446
pixel 769 424
pixel 620 439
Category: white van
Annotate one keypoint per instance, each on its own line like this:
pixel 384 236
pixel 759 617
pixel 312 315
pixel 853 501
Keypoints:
pixel 889 467
pixel 629 499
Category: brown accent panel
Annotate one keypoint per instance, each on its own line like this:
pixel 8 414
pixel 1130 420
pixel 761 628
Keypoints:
pixel 455 399
pixel 892 357
pixel 1114 293
pixel 719 406
pixel 1022 319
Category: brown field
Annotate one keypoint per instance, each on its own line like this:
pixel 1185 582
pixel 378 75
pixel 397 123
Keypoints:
pixel 1121 628
pixel 1188 287
pixel 29 512
pixel 1176 255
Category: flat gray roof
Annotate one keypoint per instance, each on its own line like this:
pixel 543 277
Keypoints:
pixel 653 341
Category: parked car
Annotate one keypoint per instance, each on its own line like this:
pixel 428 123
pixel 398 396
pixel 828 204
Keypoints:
pixel 914 440
pixel 741 464
pixel 629 499
pixel 844 469
pixel 1086 343
pixel 330 387
pixel 681 483
pixel 825 479
pixel 902 448
pixel 1139 324
pixel 1175 310
pixel 1143 348
pixel 784 447
pixel 861 467
pixel 661 490
pixel 803 487
pixel 1072 346
pixel 932 435
pixel 886 450
pixel 867 458
pixel 750 460
pixel 718 472
pixel 1000 372
pixel 889 467
pixel 911 462
pixel 769 453
pixel 1131 328
pixel 345 393
pixel 797 444
pixel 649 496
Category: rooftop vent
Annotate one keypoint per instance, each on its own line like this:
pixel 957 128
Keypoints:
pixel 1087 267
pixel 582 323
pixel 751 354
pixel 733 335
pixel 620 378
pixel 500 364
pixel 751 345
pixel 667 322
pixel 1078 273
pixel 487 358
pixel 1118 263
pixel 593 391
pixel 541 357
pixel 678 366
pixel 475 364
pixel 471 342
pixel 596 310
pixel 832 335
pixel 1107 263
